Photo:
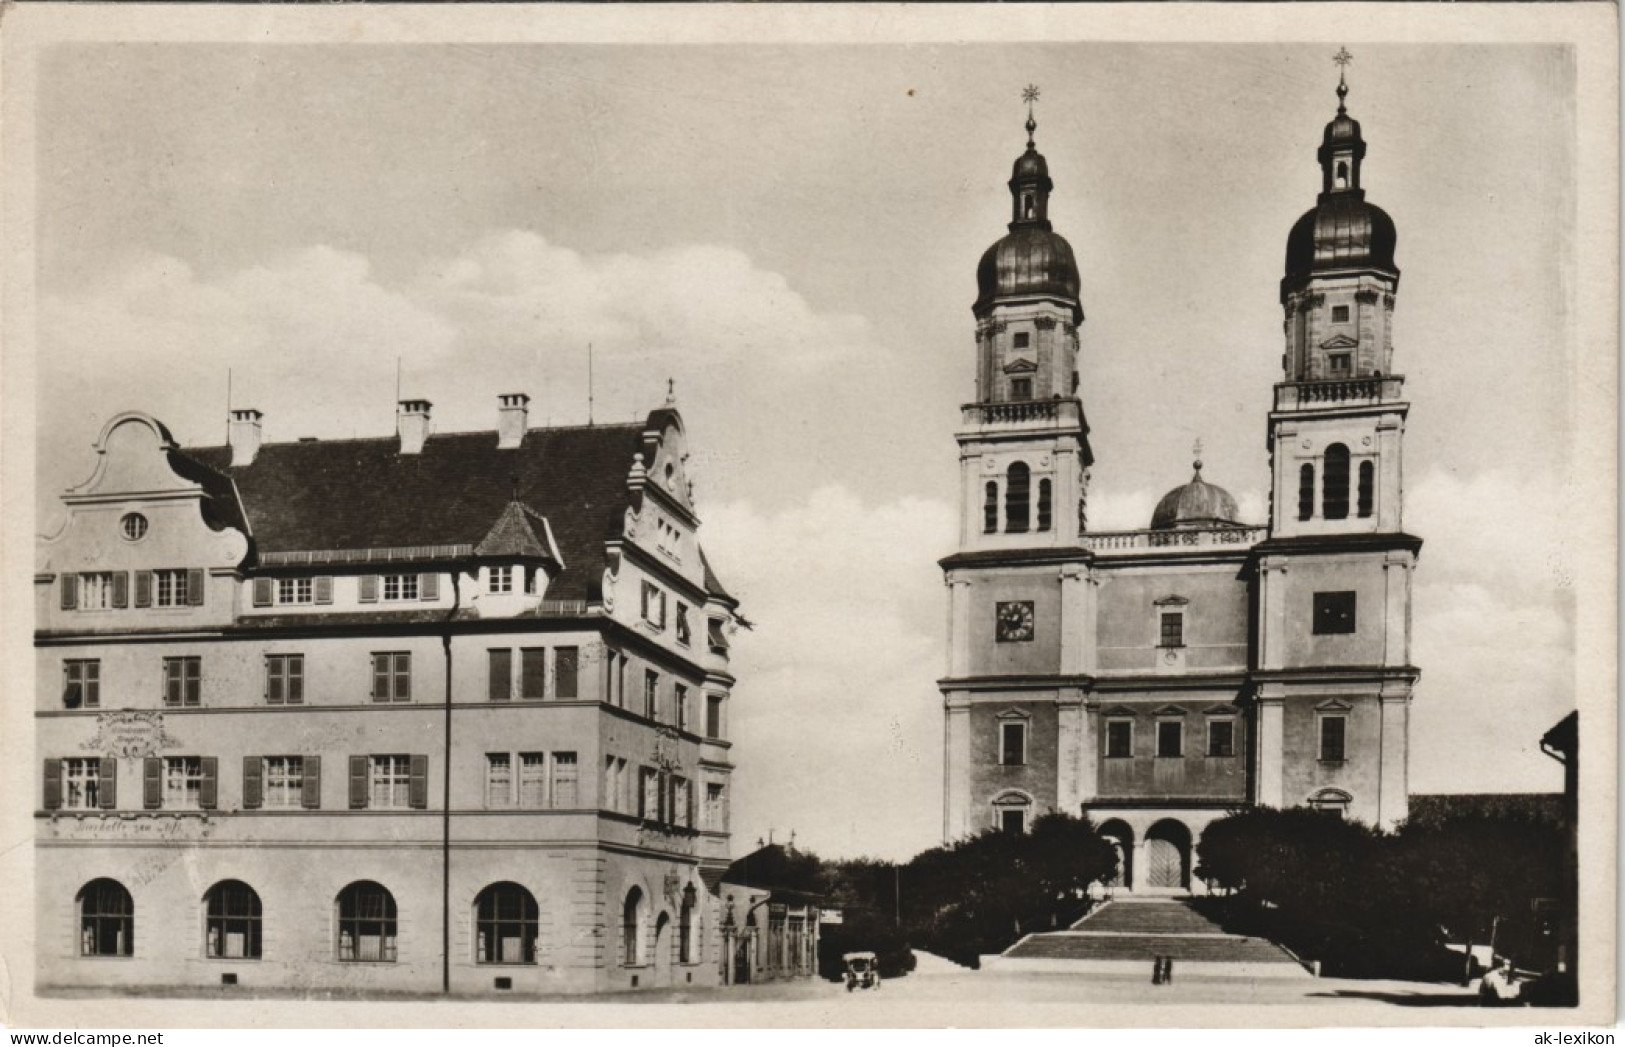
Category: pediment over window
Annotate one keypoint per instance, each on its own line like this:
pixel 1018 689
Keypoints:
pixel 1224 709
pixel 1013 713
pixel 1021 366
pixel 1118 711
pixel 1170 710
pixel 1334 705
pixel 1339 341
pixel 1328 797
pixel 1171 601
pixel 1012 798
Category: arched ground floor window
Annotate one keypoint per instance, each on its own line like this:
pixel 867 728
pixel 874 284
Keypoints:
pixel 506 918
pixel 106 919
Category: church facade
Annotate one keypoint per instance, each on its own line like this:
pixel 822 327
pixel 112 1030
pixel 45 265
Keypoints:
pixel 1157 679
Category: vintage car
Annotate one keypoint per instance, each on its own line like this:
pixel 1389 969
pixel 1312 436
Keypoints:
pixel 862 970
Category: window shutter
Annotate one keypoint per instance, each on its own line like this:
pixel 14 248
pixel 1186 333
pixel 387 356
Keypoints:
pixel 380 676
pixel 143 588
pixel 275 687
pixel 53 784
pixel 358 782
pixel 194 587
pixel 311 787
pixel 296 679
pixel 420 782
pixel 501 682
pixel 262 592
pixel 194 680
pixel 429 586
pixel 121 589
pixel 533 672
pixel 208 793
pixel 152 783
pixel 253 782
pixel 324 588
pixel 107 768
pixel 369 588
pixel 70 591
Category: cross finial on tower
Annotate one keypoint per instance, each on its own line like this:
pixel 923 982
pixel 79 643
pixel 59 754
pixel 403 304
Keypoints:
pixel 671 391
pixel 1196 452
pixel 1029 94
pixel 1342 58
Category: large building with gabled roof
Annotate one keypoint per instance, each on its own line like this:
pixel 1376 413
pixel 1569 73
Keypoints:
pixel 425 713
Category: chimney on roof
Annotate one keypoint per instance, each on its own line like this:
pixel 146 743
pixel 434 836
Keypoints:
pixel 244 435
pixel 513 414
pixel 412 422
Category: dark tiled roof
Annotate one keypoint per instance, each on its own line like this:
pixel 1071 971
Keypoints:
pixel 513 535
pixel 221 507
pixel 361 494
pixel 713 585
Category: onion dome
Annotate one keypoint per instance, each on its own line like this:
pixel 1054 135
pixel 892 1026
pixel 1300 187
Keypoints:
pixel 1032 260
pixel 1342 230
pixel 1196 504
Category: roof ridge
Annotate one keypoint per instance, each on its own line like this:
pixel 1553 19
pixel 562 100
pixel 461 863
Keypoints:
pixel 604 426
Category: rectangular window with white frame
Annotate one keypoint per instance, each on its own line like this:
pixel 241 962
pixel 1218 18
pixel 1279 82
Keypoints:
pixel 284 778
pixel 1170 739
pixel 1119 739
pixel 654 605
pixel 716 813
pixel 1172 632
pixel 81 784
pixel 498 780
pixel 183 783
pixel 96 591
pixel 500 580
pixel 295 591
pixel 565 780
pixel 533 780
pixel 389 783
pixel 1333 738
pixel 684 630
pixel 400 587
pixel 169 588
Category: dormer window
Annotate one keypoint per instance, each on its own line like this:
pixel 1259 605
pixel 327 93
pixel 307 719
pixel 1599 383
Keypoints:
pixel 501 580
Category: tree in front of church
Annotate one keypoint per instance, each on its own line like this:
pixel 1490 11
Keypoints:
pixel 980 895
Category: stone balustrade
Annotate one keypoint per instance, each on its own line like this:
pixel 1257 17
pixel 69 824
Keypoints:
pixel 1116 542
pixel 1023 412
pixel 1352 391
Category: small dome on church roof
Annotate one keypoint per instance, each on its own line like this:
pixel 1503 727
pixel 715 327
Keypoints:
pixel 1196 504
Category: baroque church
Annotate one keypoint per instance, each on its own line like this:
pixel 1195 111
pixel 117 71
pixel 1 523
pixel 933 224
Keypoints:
pixel 1158 679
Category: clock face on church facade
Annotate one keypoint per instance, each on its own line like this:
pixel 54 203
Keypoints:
pixel 1015 621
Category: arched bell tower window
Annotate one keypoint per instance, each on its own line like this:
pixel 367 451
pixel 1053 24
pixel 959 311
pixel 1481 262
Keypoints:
pixel 1017 493
pixel 1335 495
pixel 1044 511
pixel 1342 174
pixel 990 508
pixel 1306 491
pixel 1027 205
pixel 1367 483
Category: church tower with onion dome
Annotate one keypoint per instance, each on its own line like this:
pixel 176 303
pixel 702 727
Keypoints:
pixel 1334 579
pixel 1161 678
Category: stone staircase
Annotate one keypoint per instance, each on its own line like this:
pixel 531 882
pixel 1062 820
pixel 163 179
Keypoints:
pixel 1127 935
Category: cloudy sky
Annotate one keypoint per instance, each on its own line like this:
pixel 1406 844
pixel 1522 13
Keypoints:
pixel 791 233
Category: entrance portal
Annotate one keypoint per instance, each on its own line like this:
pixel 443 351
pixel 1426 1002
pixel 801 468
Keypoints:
pixel 1167 856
